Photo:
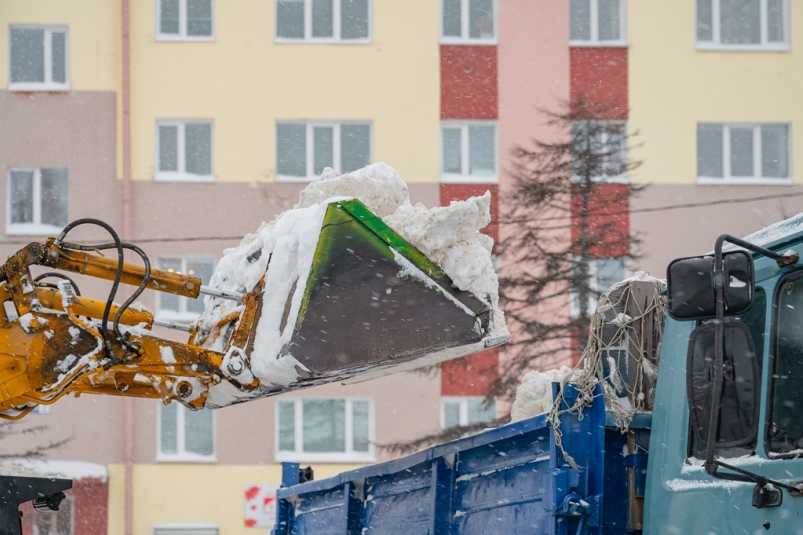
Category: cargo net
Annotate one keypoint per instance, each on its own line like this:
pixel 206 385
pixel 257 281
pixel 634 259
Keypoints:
pixel 621 355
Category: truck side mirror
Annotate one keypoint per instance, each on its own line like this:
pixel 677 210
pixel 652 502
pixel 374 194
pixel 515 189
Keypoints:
pixel 737 424
pixel 691 290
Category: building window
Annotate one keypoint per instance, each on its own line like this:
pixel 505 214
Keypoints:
pixel 59 522
pixel 462 411
pixel 325 430
pixel 599 151
pixel 597 22
pixel 184 20
pixel 186 528
pixel 304 150
pixel 184 151
pixel 323 21
pixel 185 435
pixel 468 152
pixel 743 154
pixel 39 59
pixel 37 201
pixel 468 21
pixel 743 24
pixel 602 274
pixel 175 307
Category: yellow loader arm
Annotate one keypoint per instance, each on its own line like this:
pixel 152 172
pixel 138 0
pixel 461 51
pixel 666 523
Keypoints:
pixel 56 346
pixel 63 343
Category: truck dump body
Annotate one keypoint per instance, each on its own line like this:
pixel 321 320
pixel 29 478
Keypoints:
pixel 507 480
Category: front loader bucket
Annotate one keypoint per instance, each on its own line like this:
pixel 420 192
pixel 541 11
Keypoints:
pixel 373 301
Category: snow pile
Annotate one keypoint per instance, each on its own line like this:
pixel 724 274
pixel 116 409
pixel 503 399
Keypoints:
pixel 60 469
pixel 449 236
pixel 377 186
pixel 534 395
pixel 18 470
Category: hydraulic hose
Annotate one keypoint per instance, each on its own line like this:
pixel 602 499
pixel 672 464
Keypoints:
pixel 115 285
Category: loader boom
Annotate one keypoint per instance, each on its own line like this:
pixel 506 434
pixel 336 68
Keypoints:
pixel 62 342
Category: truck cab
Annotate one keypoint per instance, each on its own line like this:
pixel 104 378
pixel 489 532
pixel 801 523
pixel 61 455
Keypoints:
pixel 681 496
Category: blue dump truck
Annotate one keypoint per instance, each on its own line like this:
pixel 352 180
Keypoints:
pixel 720 451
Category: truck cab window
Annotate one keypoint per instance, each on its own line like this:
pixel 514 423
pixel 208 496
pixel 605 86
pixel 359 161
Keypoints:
pixel 785 430
pixel 755 320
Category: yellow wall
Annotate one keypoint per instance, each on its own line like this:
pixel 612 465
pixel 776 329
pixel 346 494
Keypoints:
pixel 193 493
pixel 673 87
pixel 245 82
pixel 94 37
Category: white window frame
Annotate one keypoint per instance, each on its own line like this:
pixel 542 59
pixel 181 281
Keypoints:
pixel 181 175
pixel 182 36
pixel 182 455
pixel 183 315
pixel 349 456
pixel 764 45
pixel 310 142
pixel 463 401
pixel 574 301
pixel 756 179
pixel 48 84
pixel 464 177
pixel 594 41
pixel 465 27
pixel 37 228
pixel 624 178
pixel 336 28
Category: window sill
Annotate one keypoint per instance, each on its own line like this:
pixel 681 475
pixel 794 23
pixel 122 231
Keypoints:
pixel 182 177
pixel 38 87
pixel 711 181
pixel 183 317
pixel 469 179
pixel 297 179
pixel 185 459
pixel 32 229
pixel 289 41
pixel 598 44
pixel 712 47
pixel 475 42
pixel 162 38
pixel 352 458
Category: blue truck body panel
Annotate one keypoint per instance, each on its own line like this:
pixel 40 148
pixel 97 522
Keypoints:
pixel 506 480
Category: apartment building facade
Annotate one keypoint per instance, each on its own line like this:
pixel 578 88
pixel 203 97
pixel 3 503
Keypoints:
pixel 712 87
pixel 213 117
pixel 187 123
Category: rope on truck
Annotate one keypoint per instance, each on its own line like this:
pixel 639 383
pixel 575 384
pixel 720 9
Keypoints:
pixel 615 334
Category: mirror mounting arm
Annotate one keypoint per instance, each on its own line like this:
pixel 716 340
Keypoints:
pixel 782 260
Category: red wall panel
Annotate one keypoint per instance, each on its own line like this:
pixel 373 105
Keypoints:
pixel 469 82
pixel 599 74
pixel 470 376
pixel 608 219
pixel 90 503
pixel 460 192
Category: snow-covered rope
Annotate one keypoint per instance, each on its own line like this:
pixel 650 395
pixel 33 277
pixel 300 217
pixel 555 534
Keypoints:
pixel 612 337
